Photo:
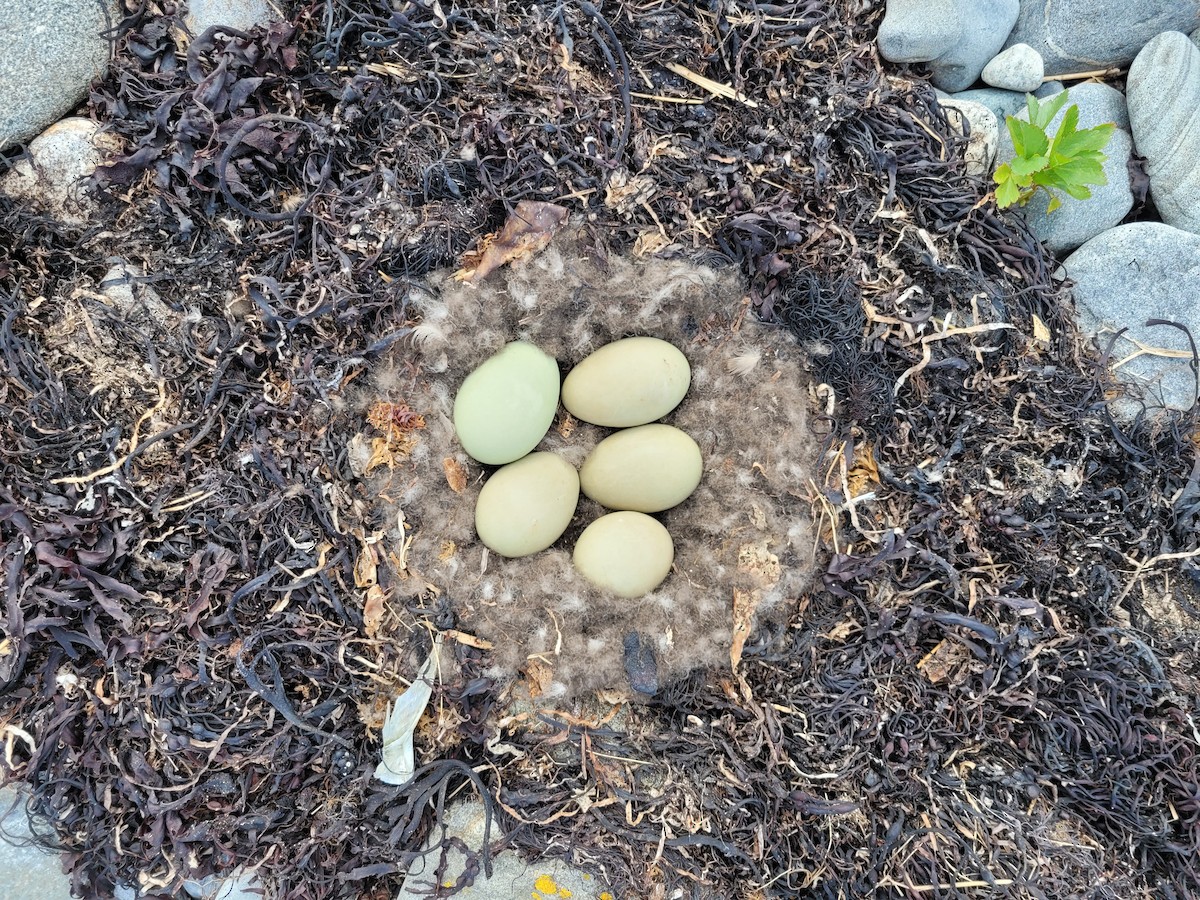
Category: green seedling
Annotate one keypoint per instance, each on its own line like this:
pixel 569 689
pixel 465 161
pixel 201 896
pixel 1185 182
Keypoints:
pixel 1069 162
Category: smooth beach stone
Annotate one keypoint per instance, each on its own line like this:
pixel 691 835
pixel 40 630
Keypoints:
pixel 527 505
pixel 506 406
pixel 647 469
pixel 628 382
pixel 626 553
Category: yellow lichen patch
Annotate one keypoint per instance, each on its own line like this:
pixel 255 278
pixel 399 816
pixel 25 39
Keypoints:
pixel 546 885
pixel 605 895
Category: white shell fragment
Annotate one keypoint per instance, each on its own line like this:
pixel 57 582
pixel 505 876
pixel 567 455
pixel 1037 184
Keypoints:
pixel 399 760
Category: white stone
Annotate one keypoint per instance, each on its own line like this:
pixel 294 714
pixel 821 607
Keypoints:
pixel 1019 68
pixel 53 178
pixel 240 14
pixel 982 128
pixel 512 878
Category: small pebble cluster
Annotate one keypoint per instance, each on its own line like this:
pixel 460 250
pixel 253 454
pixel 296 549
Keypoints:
pixel 504 409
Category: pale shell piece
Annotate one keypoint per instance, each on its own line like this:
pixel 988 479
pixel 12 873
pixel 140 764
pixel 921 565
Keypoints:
pixel 399 757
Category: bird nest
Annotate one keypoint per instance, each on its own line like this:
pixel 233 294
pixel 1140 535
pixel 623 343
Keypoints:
pixel 744 542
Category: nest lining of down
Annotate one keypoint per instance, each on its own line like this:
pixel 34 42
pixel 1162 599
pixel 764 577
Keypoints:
pixel 745 533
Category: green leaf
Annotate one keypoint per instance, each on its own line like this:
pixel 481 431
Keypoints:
pixel 1007 194
pixel 1032 107
pixel 1048 110
pixel 1055 203
pixel 1066 129
pixel 1081 171
pixel 1090 140
pixel 1027 165
pixel 1012 122
pixel 1033 140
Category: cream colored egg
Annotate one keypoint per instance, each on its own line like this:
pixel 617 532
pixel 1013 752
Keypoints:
pixel 626 553
pixel 628 382
pixel 527 505
pixel 648 469
pixel 506 406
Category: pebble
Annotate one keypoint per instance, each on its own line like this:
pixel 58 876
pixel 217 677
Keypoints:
pixel 628 382
pixel 915 31
pixel 647 469
pixel 1002 103
pixel 982 128
pixel 527 505
pixel 1018 68
pixel 512 877
pixel 1084 35
pixel 1128 275
pixel 625 553
pixel 240 14
pixel 1077 221
pixel 505 407
pixel 53 178
pixel 1163 91
pixel 50 52
pixel 986 24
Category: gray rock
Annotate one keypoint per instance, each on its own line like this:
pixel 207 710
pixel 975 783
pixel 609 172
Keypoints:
pixel 1018 68
pixel 1195 36
pixel 918 30
pixel 1084 35
pixel 240 14
pixel 1049 88
pixel 1163 90
pixel 50 51
pixel 1077 221
pixel 26 872
pixel 53 178
pixel 239 885
pixel 1099 103
pixel 1131 274
pixel 1002 103
pixel 982 128
pixel 512 878
pixel 986 23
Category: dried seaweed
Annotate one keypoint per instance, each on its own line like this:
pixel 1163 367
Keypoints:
pixel 995 689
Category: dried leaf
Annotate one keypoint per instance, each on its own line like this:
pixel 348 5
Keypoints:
pixel 745 603
pixel 538 677
pixel 1041 333
pixel 399 758
pixel 528 230
pixel 456 475
pixel 373 609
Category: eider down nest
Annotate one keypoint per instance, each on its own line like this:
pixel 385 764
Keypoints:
pixel 744 541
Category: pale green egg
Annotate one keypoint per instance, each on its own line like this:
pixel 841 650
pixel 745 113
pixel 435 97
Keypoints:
pixel 506 406
pixel 648 469
pixel 527 505
pixel 626 553
pixel 628 382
